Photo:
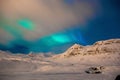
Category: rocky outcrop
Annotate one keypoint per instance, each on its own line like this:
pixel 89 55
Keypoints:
pixel 95 70
pixel 74 50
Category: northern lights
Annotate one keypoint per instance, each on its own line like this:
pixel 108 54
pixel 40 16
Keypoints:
pixel 54 29
pixel 52 41
pixel 60 38
pixel 26 23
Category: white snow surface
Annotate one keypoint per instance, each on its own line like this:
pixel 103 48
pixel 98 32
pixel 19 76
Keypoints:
pixel 70 65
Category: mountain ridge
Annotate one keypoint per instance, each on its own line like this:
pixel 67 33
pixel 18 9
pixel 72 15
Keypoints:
pixel 99 47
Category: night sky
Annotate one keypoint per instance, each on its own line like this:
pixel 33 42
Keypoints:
pixel 53 26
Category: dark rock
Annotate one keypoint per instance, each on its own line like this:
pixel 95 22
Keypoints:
pixel 118 77
pixel 95 70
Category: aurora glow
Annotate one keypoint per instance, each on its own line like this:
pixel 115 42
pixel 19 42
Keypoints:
pixel 53 26
pixel 10 28
pixel 26 23
pixel 61 38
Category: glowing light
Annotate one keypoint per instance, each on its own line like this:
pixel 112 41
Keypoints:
pixel 26 23
pixel 10 28
pixel 61 38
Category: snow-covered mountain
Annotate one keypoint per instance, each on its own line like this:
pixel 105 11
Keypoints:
pixel 100 47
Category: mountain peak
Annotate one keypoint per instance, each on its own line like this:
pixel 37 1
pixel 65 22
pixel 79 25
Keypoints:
pixel 74 50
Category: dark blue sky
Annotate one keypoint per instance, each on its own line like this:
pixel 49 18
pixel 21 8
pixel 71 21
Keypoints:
pixel 107 24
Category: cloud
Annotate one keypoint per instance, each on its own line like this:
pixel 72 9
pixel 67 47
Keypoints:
pixel 5 36
pixel 47 16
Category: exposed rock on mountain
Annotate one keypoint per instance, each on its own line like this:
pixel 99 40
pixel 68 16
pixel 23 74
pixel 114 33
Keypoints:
pixel 74 50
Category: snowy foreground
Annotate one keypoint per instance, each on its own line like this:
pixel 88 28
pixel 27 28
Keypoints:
pixel 70 65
